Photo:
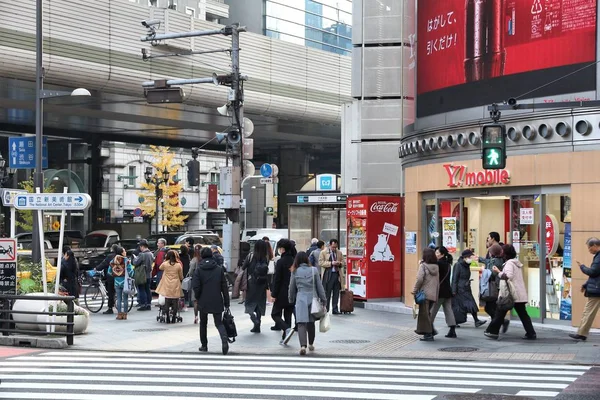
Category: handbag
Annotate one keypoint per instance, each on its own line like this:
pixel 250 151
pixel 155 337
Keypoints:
pixel 325 323
pixel 229 324
pixel 186 283
pixel 506 300
pixel 128 284
pixel 420 297
pixel 317 309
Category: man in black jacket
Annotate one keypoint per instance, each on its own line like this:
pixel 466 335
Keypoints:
pixel 591 288
pixel 110 282
pixel 279 289
pixel 210 289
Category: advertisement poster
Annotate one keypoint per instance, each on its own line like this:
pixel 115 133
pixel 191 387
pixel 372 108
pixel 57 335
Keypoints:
pixel 356 220
pixel 565 298
pixel 470 41
pixel 449 234
pixel 411 242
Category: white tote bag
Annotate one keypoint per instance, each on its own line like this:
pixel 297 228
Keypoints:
pixel 317 309
pixel 325 323
pixel 128 284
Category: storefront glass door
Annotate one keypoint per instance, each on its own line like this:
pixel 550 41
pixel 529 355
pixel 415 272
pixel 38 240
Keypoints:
pixel 450 223
pixel 331 224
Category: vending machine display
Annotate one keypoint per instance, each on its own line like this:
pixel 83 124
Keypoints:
pixel 374 234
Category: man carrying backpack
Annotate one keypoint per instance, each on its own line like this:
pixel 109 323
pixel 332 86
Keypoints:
pixel 257 268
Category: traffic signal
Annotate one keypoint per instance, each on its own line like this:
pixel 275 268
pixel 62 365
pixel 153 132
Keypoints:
pixel 193 173
pixel 493 146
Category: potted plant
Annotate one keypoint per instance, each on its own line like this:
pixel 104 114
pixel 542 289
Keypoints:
pixel 80 320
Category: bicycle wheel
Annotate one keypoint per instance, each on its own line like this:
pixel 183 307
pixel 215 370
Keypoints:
pixel 94 300
pixel 131 300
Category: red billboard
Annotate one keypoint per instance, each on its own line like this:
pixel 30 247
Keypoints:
pixel 483 43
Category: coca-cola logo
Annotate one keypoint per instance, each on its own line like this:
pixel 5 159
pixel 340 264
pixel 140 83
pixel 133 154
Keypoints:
pixel 384 206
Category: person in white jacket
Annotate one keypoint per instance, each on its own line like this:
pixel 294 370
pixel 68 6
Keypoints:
pixel 513 272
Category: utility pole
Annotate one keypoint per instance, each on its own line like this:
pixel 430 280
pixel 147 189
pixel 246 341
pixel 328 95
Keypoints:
pixel 161 91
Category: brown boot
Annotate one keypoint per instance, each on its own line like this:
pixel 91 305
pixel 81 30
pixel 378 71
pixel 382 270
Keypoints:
pixel 124 315
pixel 119 315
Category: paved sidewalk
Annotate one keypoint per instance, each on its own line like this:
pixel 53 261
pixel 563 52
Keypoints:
pixel 363 333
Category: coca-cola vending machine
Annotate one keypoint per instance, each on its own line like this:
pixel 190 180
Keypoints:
pixel 374 250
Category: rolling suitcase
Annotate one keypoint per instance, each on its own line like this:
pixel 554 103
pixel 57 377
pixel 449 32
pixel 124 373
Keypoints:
pixel 346 301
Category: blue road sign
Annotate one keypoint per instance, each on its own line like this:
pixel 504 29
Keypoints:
pixel 53 201
pixel 266 170
pixel 22 153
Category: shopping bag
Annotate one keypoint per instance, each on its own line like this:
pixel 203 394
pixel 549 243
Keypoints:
pixel 317 309
pixel 325 323
pixel 186 283
pixel 161 300
pixel 128 284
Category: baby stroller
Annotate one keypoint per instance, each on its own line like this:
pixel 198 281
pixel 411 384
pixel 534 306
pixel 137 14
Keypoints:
pixel 170 312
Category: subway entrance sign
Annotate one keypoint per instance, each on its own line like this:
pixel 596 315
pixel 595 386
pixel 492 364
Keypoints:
pixel 493 146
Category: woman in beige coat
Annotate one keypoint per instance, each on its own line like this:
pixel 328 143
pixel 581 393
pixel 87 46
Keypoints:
pixel 428 281
pixel 170 283
pixel 512 272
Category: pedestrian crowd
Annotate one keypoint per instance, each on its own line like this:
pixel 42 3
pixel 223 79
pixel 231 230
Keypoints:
pixel 303 286
pixel 501 290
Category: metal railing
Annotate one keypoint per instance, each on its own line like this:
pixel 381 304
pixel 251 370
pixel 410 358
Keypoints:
pixel 7 325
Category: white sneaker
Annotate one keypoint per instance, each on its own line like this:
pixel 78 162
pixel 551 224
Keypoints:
pixel 303 351
pixel 311 347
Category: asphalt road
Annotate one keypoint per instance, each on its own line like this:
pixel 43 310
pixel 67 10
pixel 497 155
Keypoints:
pixel 74 374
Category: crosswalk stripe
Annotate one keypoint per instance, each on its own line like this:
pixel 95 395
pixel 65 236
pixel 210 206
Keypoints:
pixel 104 375
pixel 230 390
pixel 56 361
pixel 310 381
pixel 179 356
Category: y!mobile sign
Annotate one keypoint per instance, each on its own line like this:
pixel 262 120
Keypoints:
pixel 458 176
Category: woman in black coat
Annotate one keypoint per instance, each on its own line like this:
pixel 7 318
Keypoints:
pixel 210 290
pixel 280 287
pixel 445 292
pixel 463 302
pixel 256 291
pixel 185 258
pixel 69 272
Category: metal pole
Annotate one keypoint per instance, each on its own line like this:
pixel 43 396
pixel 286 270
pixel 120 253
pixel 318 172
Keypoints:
pixel 156 191
pixel 38 178
pixel 151 37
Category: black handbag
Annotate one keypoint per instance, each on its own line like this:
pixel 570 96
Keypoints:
pixel 229 325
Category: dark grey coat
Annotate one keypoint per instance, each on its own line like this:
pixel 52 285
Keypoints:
pixel 305 283
pixel 210 287
pixel 256 294
pixel 463 302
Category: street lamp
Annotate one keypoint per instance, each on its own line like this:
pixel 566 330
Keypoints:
pixel 40 95
pixel 156 181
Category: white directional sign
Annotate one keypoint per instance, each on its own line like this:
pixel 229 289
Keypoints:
pixel 266 181
pixel 8 196
pixel 53 201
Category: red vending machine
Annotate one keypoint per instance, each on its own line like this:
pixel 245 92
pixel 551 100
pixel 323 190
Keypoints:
pixel 374 250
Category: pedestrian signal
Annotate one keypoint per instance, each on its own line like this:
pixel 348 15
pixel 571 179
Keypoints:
pixel 493 146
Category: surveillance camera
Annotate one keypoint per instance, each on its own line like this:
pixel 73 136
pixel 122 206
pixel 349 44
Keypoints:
pixel 512 102
pixel 150 23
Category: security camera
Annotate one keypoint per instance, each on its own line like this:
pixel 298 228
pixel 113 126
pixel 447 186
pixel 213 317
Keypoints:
pixel 149 23
pixel 512 102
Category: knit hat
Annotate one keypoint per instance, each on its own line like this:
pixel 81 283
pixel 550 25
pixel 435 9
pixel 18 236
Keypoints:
pixel 467 253
pixel 495 250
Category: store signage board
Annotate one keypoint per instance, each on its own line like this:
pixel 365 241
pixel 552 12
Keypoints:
pixel 526 216
pixel 53 201
pixel 458 176
pixel 8 196
pixel 8 266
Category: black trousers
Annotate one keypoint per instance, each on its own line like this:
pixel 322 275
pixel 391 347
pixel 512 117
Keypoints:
pixel 276 313
pixel 218 318
pixel 110 290
pixel 333 287
pixel 490 308
pixel 496 323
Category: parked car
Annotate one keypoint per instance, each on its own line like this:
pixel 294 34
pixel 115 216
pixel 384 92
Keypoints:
pixel 204 238
pixel 170 237
pixel 71 238
pixel 100 239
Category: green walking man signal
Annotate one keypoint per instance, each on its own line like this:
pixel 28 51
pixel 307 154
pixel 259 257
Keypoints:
pixel 493 146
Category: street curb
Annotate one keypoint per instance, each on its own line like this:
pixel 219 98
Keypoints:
pixel 33 342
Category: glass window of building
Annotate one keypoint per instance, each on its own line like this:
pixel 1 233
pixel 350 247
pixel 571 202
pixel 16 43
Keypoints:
pixel 321 24
pixel 132 175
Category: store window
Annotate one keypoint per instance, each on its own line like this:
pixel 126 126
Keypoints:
pixel 132 175
pixel 300 222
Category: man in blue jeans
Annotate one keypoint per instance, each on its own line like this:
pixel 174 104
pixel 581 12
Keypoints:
pixel 143 262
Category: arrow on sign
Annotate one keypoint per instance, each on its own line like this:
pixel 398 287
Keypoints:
pixel 14 146
pixel 79 199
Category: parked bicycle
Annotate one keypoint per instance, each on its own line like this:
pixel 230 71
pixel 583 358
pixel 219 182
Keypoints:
pixel 95 293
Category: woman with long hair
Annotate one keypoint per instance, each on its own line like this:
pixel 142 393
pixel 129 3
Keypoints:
pixel 256 266
pixel 69 272
pixel 444 262
pixel 117 269
pixel 170 284
pixel 194 262
pixel 305 283
pixel 427 281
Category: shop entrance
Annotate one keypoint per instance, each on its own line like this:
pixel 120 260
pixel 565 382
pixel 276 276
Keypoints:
pixel 465 219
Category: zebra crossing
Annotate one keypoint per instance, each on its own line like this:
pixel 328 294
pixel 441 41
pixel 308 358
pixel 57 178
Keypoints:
pixel 128 375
